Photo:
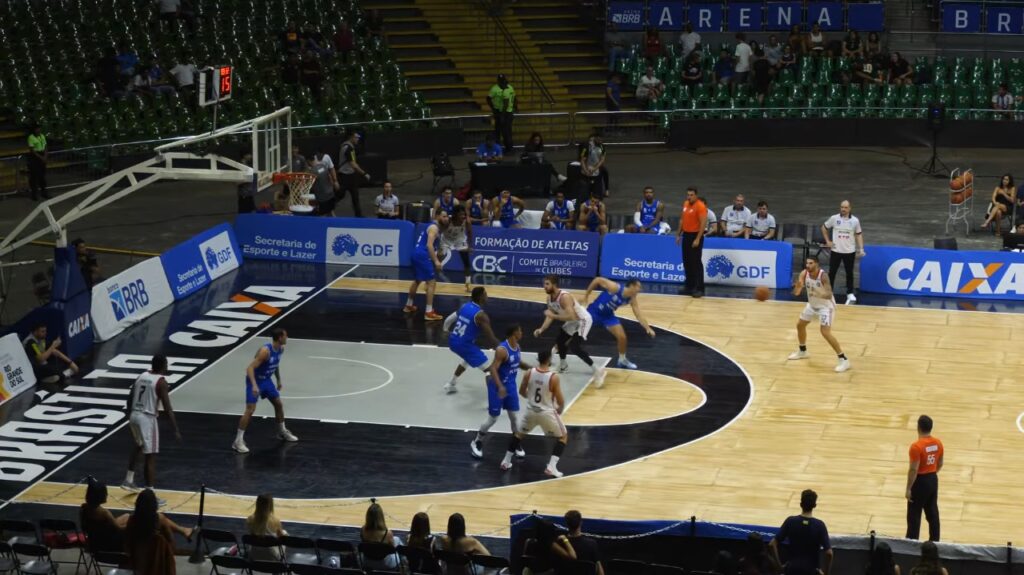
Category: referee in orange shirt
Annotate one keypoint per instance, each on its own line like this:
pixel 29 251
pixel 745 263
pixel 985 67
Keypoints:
pixel 923 481
pixel 691 236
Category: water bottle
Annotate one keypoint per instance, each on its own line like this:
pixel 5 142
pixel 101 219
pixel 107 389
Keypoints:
pixel 333 562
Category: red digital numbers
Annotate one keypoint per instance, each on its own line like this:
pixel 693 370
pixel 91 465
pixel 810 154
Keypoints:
pixel 225 81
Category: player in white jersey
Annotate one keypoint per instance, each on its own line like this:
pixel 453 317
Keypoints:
pixel 148 389
pixel 562 306
pixel 458 237
pixel 544 405
pixel 820 304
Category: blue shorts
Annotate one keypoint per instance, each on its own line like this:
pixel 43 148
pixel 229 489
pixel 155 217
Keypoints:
pixel 422 266
pixel 603 319
pixel 267 390
pixel 496 404
pixel 471 354
pixel 593 225
pixel 507 222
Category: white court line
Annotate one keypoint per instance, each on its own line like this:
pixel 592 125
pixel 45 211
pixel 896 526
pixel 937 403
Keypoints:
pixel 391 377
pixel 1020 422
pixel 119 426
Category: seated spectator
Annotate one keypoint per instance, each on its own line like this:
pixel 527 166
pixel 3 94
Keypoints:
pixel 874 46
pixel 87 262
pixel 387 203
pixel 724 69
pixel 689 41
pixel 807 536
pixel 613 95
pixel 149 541
pixel 553 549
pixel 375 530
pixel 865 71
pixel 652 44
pixel 788 61
pixel 712 226
pixel 457 541
pixel 479 212
pixel 489 151
pixel 773 51
pixel 184 74
pixel 312 74
pixel 693 72
pixel 506 210
pixel 420 535
pixel 650 87
pixel 291 39
pixel 852 46
pixel 108 75
pixel 446 202
pixel 533 151
pixel 313 41
pixel 127 60
pixel 158 80
pixel 756 560
pixel 1002 101
pixel 103 531
pixel 1001 205
pixel 742 56
pixel 725 564
pixel 760 225
pixel 375 24
pixel 264 523
pixel 344 41
pixel 795 40
pixel 49 363
pixel 592 216
pixel 559 214
pixel 585 547
pixel 290 71
pixel 930 564
pixel 592 158
pixel 900 72
pixel 734 218
pixel 649 216
pixel 816 41
pixel 325 185
pixel 881 562
pixel 762 69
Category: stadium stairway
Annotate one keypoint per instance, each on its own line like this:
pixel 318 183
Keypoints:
pixel 911 31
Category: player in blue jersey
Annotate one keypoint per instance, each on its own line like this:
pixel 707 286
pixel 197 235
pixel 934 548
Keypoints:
pixel 501 387
pixel 614 296
pixel 592 217
pixel 649 215
pixel 446 202
pixel 479 211
pixel 507 209
pixel 560 213
pixel 426 263
pixel 463 327
pixel 258 383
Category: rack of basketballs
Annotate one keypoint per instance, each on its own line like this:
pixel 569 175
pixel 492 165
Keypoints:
pixel 961 198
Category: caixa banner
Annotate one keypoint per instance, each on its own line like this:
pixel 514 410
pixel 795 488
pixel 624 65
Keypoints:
pixel 529 252
pixel 325 240
pixel 925 272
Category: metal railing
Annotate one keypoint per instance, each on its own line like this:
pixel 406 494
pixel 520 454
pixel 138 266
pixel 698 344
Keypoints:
pixel 530 87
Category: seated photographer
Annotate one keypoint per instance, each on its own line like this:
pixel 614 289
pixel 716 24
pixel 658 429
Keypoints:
pixel 533 152
pixel 87 262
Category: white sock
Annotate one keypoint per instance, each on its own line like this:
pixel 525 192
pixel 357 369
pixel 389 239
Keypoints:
pixel 281 427
pixel 622 357
pixel 408 301
pixel 430 308
pixel 453 380
pixel 553 462
pixel 240 435
pixel 129 477
pixel 508 457
pixel 68 373
pixel 594 368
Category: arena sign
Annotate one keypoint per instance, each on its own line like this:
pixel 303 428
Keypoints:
pixel 924 272
pixel 673 15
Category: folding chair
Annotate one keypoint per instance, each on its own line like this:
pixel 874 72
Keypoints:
pixel 580 567
pixel 229 565
pixel 418 560
pixel 417 212
pixel 261 547
pixel 656 569
pixel 345 551
pixel 111 563
pixel 64 534
pixel 376 557
pixel 300 550
pixel 8 561
pixel 18 531
pixel 442 168
pixel 796 234
pixel 818 241
pixel 481 562
pixel 451 561
pixel 39 561
pixel 216 542
pixel 268 567
pixel 944 244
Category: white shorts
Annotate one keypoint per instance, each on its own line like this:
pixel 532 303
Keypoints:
pixel 460 244
pixel 581 326
pixel 145 431
pixel 547 420
pixel 825 314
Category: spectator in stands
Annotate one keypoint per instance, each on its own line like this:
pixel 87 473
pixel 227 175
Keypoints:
pixel 690 41
pixel 37 158
pixel 1002 102
pixel 735 217
pixel 375 530
pixel 852 46
pixel 652 44
pixel 559 214
pixel 756 559
pixel 344 41
pixel 127 60
pixel 585 547
pixel 352 174
pixel 693 72
pixel 711 228
pixel 1003 197
pixel 881 562
pixel 762 75
pixel 724 69
pixel 387 203
pixel 103 531
pixel 900 72
pixel 773 51
pixel 246 191
pixel 108 74
pixel 291 39
pixel 184 74
pixel 420 535
pixel 742 58
pixel 930 564
pixel 324 187
pixel 313 41
pixel 457 541
pixel 375 24
pixel 553 549
pixel 650 87
pixel 795 40
pixel 760 225
pixel 504 105
pixel 788 61
pixel 489 151
pixel 615 44
pixel 87 262
pixel 807 536
pixel 613 96
pixel 649 216
pixel 290 70
pixel 312 74
pixel 593 216
pixel 446 202
pixel 506 209
pixel 159 81
pixel 479 211
pixel 49 362
pixel 592 171
pixel 874 45
pixel 533 151
pixel 264 523
pixel 866 71
pixel 816 41
pixel 148 540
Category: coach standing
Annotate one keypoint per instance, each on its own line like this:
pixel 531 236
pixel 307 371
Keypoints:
pixel 691 235
pixel 351 172
pixel 923 481
pixel 846 242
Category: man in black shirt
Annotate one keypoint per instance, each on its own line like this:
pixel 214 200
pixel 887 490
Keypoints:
pixel 585 547
pixel 807 536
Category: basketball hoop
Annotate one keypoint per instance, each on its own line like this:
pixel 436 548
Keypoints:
pixel 299 184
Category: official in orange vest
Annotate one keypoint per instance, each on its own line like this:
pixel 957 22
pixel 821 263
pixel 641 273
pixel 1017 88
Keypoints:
pixel 923 481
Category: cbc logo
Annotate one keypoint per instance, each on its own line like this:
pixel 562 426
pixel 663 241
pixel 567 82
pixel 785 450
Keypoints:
pixel 491 264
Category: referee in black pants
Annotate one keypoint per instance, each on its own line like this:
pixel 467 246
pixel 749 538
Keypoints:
pixel 926 457
pixel 351 173
pixel 693 223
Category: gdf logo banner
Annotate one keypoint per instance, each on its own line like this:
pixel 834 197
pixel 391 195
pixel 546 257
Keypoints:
pixel 129 297
pixel 218 255
pixel 362 246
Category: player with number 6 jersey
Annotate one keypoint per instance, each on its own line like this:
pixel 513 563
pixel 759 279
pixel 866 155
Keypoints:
pixel 544 406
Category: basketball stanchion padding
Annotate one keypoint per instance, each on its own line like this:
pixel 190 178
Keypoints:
pixel 299 184
pixel 198 556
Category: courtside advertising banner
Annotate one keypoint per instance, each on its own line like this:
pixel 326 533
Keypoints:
pixel 192 265
pixel 627 16
pixel 325 240
pixel 925 272
pixel 726 261
pixel 129 297
pixel 16 373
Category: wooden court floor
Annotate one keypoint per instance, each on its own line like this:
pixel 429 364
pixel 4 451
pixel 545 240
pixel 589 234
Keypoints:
pixel 843 435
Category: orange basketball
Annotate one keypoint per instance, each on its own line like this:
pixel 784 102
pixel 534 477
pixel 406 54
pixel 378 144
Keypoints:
pixel 761 293
pixel 968 178
pixel 957 183
pixel 956 198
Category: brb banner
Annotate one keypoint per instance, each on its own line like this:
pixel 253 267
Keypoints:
pixel 129 297
pixel 192 265
pixel 925 272
pixel 325 240
pixel 747 16
pixel 726 261
pixel 529 252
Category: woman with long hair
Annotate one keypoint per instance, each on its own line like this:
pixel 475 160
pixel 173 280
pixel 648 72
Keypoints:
pixel 881 562
pixel 420 535
pixel 104 531
pixel 929 563
pixel 149 543
pixel 264 523
pixel 1003 198
pixel 756 559
pixel 457 541
pixel 375 530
